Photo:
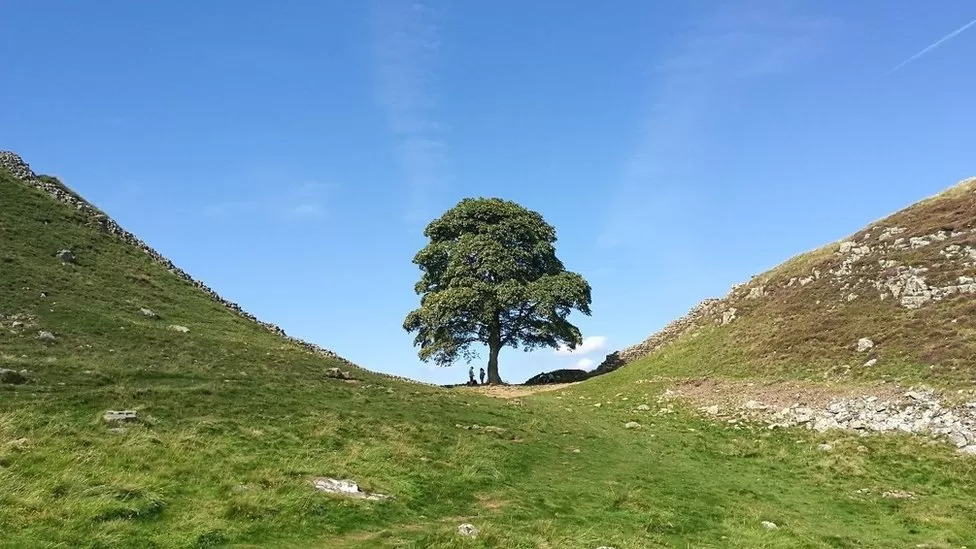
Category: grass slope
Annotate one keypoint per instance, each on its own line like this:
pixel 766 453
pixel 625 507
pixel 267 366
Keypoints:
pixel 236 421
pixel 811 311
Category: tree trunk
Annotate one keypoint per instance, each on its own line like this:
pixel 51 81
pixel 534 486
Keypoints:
pixel 494 347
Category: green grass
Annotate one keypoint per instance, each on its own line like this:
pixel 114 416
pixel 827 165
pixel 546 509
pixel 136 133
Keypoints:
pixel 235 422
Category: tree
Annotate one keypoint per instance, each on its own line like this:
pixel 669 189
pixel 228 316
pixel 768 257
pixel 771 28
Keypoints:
pixel 491 276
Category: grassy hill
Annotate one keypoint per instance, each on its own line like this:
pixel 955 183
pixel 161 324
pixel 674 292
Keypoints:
pixel 907 283
pixel 235 421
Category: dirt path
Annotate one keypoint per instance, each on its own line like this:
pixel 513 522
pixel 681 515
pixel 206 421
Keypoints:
pixel 513 391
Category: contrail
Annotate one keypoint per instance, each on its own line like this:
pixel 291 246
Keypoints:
pixel 932 46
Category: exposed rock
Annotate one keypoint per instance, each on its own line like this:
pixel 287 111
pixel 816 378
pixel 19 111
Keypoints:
pixel 968 450
pixel 467 530
pixel 336 373
pixel 769 525
pixel 897 494
pixel 113 416
pixel 864 344
pixel 148 312
pixel 346 488
pixel 824 447
pixel 568 375
pixel 643 408
pixel 728 316
pixel 632 425
pixel 46 336
pixel 870 363
pixel 13 377
pixel 178 328
pixel 66 256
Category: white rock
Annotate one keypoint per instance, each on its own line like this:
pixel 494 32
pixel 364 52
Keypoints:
pixel 870 363
pixel 632 425
pixel 467 530
pixel 46 336
pixel 712 410
pixel 346 488
pixel 147 312
pixel 643 408
pixel 864 344
pixel 769 525
pixel 66 256
pixel 968 450
pixel 178 328
pixel 120 415
pixel 755 405
pixel 958 439
pixel 824 447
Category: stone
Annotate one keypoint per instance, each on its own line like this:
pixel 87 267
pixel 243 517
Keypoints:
pixel 824 447
pixel 632 425
pixel 897 494
pixel 467 530
pixel 755 405
pixel 728 316
pixel 968 450
pixel 46 336
pixel 346 488
pixel 148 312
pixel 864 344
pixel 643 408
pixel 178 328
pixel 66 256
pixel 113 416
pixel 958 439
pixel 870 363
pixel 336 373
pixel 712 410
pixel 769 525
pixel 12 377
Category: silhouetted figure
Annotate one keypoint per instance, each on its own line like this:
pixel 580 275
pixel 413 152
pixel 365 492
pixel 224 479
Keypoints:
pixel 471 380
pixel 481 375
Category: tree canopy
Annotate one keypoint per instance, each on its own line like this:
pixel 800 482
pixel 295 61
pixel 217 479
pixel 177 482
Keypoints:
pixel 491 276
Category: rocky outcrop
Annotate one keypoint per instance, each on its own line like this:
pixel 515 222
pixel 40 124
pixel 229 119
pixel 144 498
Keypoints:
pixel 914 259
pixel 568 375
pixel 21 170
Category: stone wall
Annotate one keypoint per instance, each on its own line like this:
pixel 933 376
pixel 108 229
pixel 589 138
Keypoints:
pixel 21 170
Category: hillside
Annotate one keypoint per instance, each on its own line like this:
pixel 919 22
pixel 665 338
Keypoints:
pixel 230 427
pixel 904 287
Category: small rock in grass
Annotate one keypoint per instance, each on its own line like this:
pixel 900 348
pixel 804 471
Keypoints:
pixel 178 328
pixel 148 312
pixel 113 416
pixel 864 344
pixel 824 447
pixel 336 373
pixel 643 408
pixel 632 425
pixel 46 336
pixel 712 410
pixel 12 377
pixel 346 488
pixel 66 256
pixel 870 363
pixel 769 525
pixel 467 530
pixel 897 494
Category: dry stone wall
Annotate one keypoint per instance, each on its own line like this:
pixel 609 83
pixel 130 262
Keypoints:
pixel 21 170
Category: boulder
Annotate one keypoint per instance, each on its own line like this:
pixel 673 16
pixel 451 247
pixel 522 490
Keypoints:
pixel 66 256
pixel 13 377
pixel 346 488
pixel 336 373
pixel 864 344
pixel 467 530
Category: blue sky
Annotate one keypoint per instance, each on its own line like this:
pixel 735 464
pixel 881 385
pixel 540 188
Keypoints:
pixel 288 154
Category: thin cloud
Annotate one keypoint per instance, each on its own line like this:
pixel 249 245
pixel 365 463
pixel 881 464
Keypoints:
pixel 406 47
pixel 722 56
pixel 590 344
pixel 932 46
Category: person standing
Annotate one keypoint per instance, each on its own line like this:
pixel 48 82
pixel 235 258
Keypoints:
pixel 471 380
pixel 481 375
